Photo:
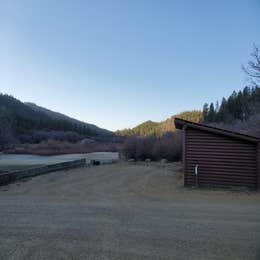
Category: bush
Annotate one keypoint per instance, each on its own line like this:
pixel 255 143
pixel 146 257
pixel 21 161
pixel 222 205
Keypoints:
pixel 52 147
pixel 168 147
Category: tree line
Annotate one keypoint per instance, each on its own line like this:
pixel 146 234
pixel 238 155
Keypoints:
pixel 18 120
pixel 238 106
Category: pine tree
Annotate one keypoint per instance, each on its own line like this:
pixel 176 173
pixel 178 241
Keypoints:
pixel 212 114
pixel 221 115
pixel 217 107
pixel 205 112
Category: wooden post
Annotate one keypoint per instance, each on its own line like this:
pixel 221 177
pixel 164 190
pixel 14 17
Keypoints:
pixel 197 174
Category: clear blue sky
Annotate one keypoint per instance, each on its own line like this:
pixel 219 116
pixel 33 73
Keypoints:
pixel 117 63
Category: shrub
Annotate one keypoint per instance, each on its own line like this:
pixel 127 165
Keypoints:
pixel 167 147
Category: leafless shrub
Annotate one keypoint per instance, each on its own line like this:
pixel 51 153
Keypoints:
pixel 52 147
pixel 167 146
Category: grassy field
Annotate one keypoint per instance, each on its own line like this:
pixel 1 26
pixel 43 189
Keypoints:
pixel 126 211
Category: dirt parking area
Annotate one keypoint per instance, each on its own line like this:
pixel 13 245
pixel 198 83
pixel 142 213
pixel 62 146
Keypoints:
pixel 125 211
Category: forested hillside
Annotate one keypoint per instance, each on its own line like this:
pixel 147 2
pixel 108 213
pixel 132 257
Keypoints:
pixel 58 116
pixel 21 122
pixel 150 128
pixel 239 112
pixel 238 106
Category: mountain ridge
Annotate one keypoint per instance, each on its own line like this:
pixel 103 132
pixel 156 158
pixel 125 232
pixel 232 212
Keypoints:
pixel 27 122
pixel 150 127
pixel 57 115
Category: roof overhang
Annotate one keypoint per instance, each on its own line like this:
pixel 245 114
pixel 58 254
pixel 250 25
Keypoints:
pixel 181 123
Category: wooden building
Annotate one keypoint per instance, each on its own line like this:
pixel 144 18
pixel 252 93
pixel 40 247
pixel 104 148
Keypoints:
pixel 218 157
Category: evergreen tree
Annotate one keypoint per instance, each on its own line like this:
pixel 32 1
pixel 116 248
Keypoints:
pixel 220 116
pixel 205 112
pixel 239 106
pixel 217 107
pixel 212 114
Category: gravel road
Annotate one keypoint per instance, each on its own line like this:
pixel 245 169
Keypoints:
pixel 125 211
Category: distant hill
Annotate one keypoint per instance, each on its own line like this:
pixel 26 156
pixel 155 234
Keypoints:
pixel 149 128
pixel 18 119
pixel 58 116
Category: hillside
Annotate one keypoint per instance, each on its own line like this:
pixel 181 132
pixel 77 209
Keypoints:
pixel 58 116
pixel 150 128
pixel 29 123
pixel 239 112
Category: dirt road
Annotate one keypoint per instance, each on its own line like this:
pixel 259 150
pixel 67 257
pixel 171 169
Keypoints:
pixel 125 211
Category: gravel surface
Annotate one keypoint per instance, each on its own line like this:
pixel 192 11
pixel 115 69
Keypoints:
pixel 125 211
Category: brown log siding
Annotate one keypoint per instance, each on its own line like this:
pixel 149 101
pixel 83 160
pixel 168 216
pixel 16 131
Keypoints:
pixel 184 153
pixel 258 167
pixel 223 161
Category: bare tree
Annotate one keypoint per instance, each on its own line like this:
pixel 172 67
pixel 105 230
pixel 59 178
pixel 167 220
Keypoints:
pixel 252 69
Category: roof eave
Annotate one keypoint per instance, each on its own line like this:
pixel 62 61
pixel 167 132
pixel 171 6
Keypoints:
pixel 180 123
